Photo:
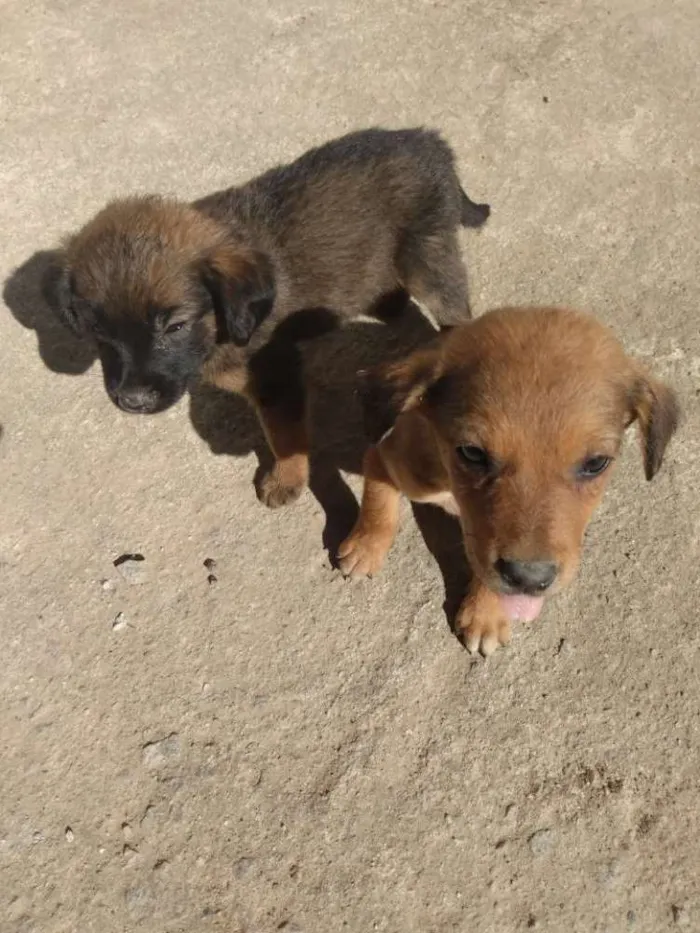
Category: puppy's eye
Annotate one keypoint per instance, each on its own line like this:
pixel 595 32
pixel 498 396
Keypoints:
pixel 475 457
pixel 593 466
pixel 174 327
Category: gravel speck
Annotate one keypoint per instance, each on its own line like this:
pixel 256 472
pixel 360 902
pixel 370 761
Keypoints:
pixel 148 819
pixel 243 867
pixel 132 569
pixel 681 917
pixel 542 841
pixel 137 899
pixel 565 648
pixel 119 622
pixel 610 874
pixel 162 752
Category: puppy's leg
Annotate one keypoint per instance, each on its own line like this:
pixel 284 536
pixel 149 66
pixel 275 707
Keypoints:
pixel 276 389
pixel 434 273
pixel 365 548
pixel 481 622
pixel 288 440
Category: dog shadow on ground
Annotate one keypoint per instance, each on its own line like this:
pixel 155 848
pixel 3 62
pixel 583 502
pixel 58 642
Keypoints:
pixel 230 427
pixel 28 295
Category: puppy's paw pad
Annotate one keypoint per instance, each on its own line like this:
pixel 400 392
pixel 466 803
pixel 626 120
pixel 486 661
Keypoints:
pixel 362 554
pixel 274 493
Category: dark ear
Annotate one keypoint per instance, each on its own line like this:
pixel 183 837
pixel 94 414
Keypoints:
pixel 655 406
pixel 242 288
pixel 59 293
pixel 394 388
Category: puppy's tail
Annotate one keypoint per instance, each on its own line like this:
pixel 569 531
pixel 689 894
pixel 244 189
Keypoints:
pixel 473 215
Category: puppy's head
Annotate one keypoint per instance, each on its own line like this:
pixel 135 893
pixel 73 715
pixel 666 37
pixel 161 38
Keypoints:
pixel 156 284
pixel 528 409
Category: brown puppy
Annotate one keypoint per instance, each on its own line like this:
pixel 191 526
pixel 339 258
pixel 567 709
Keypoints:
pixel 170 290
pixel 513 423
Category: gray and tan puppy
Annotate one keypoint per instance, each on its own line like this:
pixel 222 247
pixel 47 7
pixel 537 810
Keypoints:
pixel 226 286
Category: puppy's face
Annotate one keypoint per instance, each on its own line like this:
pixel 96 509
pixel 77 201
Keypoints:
pixel 528 409
pixel 156 285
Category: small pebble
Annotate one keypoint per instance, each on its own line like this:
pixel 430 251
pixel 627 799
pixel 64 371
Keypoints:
pixel 243 867
pixel 127 831
pixel 542 841
pixel 149 818
pixel 137 899
pixel 164 751
pixel 610 874
pixel 680 916
pixel 107 585
pixel 211 579
pixel 132 569
pixel 119 622
pixel 70 835
pixel 210 563
pixel 565 649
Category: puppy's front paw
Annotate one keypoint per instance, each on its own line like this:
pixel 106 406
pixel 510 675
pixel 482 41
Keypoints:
pixel 363 552
pixel 481 624
pixel 282 485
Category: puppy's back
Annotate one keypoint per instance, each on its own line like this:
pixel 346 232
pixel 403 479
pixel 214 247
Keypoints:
pixel 336 218
pixel 372 173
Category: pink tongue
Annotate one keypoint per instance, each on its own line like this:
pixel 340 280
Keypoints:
pixel 520 607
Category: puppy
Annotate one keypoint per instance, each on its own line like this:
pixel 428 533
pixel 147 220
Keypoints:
pixel 513 423
pixel 171 290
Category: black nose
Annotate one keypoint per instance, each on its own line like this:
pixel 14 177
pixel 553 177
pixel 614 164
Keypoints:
pixel 138 401
pixel 527 576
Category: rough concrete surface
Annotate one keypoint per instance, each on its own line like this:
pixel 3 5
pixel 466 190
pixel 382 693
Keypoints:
pixel 280 749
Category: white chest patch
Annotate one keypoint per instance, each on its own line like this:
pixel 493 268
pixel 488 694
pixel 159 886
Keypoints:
pixel 445 500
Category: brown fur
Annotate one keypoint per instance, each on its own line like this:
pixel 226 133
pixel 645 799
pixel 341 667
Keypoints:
pixel 170 290
pixel 542 391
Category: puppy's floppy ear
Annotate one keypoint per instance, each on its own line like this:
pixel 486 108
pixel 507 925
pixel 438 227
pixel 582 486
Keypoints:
pixel 58 291
pixel 655 406
pixel 242 287
pixel 394 388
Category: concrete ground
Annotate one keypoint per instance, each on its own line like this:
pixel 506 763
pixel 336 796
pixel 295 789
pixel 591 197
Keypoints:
pixel 280 749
